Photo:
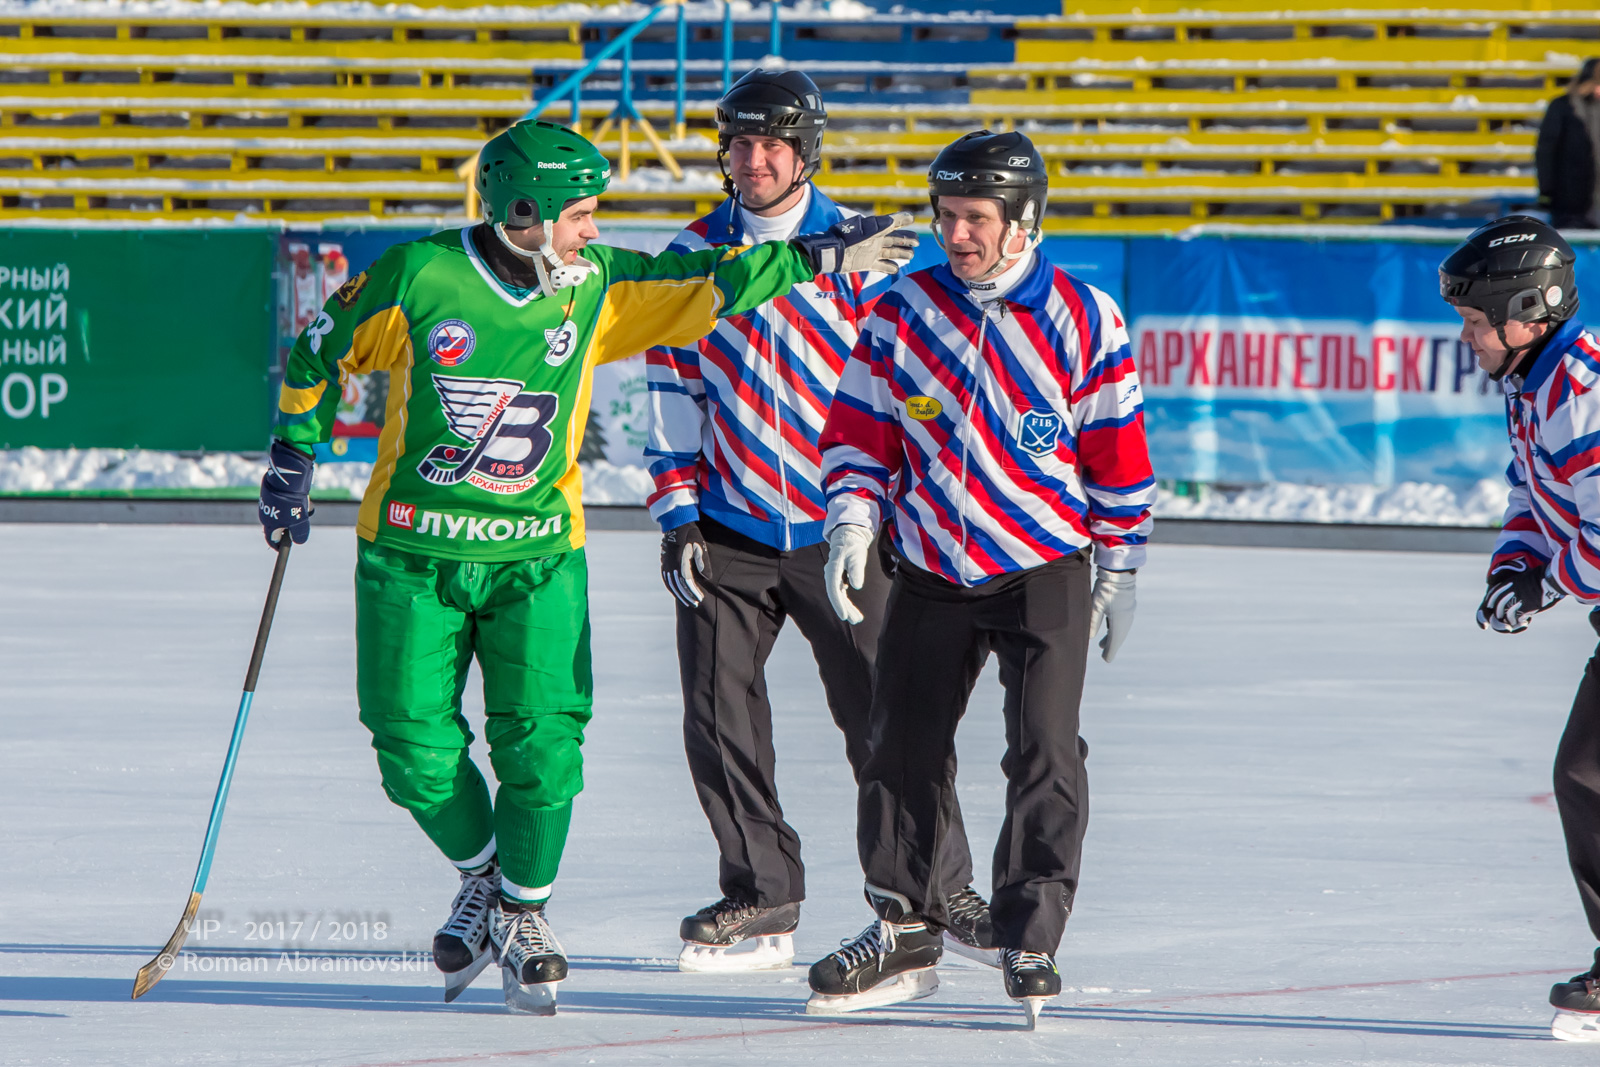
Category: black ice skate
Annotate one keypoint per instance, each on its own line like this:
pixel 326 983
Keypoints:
pixel 971 931
pixel 731 935
pixel 461 947
pixel 1031 979
pixel 532 962
pixel 890 962
pixel 1577 1005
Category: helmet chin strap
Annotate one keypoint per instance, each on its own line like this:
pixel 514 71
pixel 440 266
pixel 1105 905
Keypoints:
pixel 1006 258
pixel 553 271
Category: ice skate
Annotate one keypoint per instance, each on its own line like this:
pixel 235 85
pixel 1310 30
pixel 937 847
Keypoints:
pixel 1031 979
pixel 731 936
pixel 1577 1004
pixel 532 962
pixel 890 962
pixel 461 948
pixel 971 931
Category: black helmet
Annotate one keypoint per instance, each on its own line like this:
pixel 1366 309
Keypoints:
pixel 994 166
pixel 1515 269
pixel 773 103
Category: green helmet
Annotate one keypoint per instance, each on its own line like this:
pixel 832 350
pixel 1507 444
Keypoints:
pixel 529 172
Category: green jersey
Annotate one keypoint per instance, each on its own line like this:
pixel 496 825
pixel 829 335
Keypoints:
pixel 489 384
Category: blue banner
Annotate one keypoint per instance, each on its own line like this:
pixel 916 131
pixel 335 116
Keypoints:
pixel 1271 360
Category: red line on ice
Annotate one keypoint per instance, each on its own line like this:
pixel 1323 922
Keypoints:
pixel 483 1057
pixel 1319 988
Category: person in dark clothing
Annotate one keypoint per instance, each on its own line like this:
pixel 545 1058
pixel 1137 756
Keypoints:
pixel 1565 158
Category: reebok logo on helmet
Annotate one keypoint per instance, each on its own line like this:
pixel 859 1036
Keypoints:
pixel 753 116
pixel 1515 238
pixel 947 176
pixel 546 165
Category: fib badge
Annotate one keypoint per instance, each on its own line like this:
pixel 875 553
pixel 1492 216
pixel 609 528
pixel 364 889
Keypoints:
pixel 923 408
pixel 451 342
pixel 562 341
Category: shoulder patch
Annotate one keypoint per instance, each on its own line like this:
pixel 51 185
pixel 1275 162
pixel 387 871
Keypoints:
pixel 347 293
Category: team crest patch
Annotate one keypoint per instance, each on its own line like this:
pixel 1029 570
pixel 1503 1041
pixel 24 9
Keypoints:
pixel 505 430
pixel 923 408
pixel 1038 432
pixel 346 294
pixel 562 341
pixel 451 342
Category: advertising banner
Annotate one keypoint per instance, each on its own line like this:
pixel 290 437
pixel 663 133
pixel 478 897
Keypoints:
pixel 1326 362
pixel 136 338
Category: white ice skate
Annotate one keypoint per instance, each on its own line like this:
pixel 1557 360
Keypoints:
pixel 461 948
pixel 532 962
pixel 1576 1026
pixel 730 937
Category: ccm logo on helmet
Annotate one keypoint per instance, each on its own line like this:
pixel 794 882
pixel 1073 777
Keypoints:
pixel 543 165
pixel 1515 238
pixel 947 176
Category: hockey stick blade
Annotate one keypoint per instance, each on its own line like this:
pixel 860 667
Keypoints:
pixel 157 969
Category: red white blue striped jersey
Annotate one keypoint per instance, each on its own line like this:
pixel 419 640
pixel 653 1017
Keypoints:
pixel 1553 416
pixel 999 438
pixel 734 421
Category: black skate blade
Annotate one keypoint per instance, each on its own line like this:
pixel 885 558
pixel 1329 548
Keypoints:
pixel 536 999
pixel 989 957
pixel 456 983
pixel 903 987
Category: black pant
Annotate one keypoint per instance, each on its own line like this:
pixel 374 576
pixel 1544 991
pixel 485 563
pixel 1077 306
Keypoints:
pixel 936 638
pixel 723 647
pixel 1577 778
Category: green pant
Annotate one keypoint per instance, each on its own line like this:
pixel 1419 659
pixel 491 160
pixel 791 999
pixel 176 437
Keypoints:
pixel 419 622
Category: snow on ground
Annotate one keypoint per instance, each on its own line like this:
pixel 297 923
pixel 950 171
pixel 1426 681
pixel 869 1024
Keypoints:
pixel 35 470
pixel 1321 834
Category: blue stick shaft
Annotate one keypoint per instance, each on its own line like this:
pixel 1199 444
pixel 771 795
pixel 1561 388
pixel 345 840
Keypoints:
pixel 220 801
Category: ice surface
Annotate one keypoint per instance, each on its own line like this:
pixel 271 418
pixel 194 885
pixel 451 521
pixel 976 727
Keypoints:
pixel 1322 828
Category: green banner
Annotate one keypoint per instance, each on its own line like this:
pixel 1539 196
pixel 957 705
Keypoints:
pixel 136 338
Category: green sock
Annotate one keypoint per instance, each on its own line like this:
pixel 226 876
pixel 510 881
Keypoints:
pixel 464 827
pixel 530 841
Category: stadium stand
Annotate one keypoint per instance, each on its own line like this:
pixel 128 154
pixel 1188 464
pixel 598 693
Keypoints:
pixel 1151 119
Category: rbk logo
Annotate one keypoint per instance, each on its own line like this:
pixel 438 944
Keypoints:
pixel 505 430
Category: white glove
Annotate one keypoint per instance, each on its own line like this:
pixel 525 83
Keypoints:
pixel 848 546
pixel 1113 602
pixel 862 243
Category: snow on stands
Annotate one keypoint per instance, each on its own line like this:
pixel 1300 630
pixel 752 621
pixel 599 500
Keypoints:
pixel 36 470
pixel 276 11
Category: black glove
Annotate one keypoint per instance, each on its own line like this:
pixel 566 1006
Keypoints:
pixel 866 242
pixel 1516 594
pixel 683 553
pixel 286 494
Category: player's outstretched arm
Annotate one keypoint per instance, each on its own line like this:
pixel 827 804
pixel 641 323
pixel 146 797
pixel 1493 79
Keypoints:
pixel 674 299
